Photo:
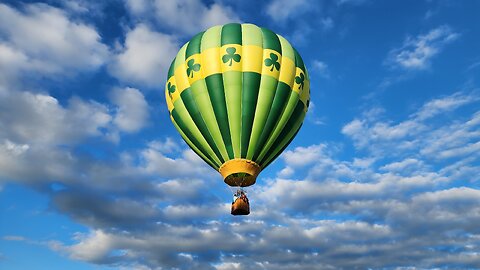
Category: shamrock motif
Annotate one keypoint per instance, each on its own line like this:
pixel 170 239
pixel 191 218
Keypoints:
pixel 299 80
pixel 171 88
pixel 272 61
pixel 192 67
pixel 231 56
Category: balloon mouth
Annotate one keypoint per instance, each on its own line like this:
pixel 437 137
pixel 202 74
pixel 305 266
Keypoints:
pixel 239 172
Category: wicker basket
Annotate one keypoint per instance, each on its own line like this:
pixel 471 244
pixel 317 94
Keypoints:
pixel 240 207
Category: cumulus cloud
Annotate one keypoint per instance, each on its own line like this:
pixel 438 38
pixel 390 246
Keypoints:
pixel 27 118
pixel 131 109
pixel 322 68
pixel 422 132
pixel 281 10
pixel 41 39
pixel 177 15
pixel 145 57
pixel 416 53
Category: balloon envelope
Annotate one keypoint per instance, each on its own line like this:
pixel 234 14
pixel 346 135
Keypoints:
pixel 238 94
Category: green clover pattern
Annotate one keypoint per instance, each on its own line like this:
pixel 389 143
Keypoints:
pixel 192 67
pixel 231 56
pixel 272 61
pixel 171 89
pixel 300 80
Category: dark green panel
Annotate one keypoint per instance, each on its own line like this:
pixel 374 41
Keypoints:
pixel 192 109
pixel 217 97
pixel 294 118
pixel 271 41
pixel 283 148
pixel 299 61
pixel 232 34
pixel 171 70
pixel 278 105
pixel 190 136
pixel 250 89
pixel 193 46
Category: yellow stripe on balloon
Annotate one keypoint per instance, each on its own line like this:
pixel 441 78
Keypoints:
pixel 210 60
pixel 286 71
pixel 181 78
pixel 252 58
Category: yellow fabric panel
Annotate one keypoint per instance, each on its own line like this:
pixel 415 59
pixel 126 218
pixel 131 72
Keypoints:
pixel 252 58
pixel 286 71
pixel 175 94
pixel 267 70
pixel 181 78
pixel 210 60
pixel 169 101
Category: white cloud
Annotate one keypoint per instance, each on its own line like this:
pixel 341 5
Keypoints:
pixel 188 165
pixel 281 10
pixel 322 68
pixel 417 53
pixel 168 146
pixel 132 109
pixel 303 156
pixel 42 40
pixel 327 23
pixel 444 104
pixel 177 15
pixel 428 133
pixel 27 117
pixel 145 57
pixel 92 247
pixel 399 166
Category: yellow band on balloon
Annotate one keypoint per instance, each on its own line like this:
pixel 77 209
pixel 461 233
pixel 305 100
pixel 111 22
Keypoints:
pixel 212 57
pixel 211 62
pixel 250 56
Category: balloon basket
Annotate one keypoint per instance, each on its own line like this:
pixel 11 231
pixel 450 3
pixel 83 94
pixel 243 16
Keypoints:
pixel 241 206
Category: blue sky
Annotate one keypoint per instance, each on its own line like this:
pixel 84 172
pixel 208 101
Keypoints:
pixel 383 174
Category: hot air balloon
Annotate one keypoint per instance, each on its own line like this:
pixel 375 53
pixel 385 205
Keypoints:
pixel 238 94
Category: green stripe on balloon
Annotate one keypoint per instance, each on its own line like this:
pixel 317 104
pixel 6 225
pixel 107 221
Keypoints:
pixel 217 98
pixel 270 40
pixel 252 35
pixel 265 98
pixel 211 38
pixel 283 148
pixel 171 70
pixel 279 102
pixel 232 81
pixel 287 112
pixel 299 61
pixel 205 107
pixel 178 115
pixel 288 130
pixel 193 111
pixel 194 45
pixel 194 147
pixel 232 34
pixel 250 89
